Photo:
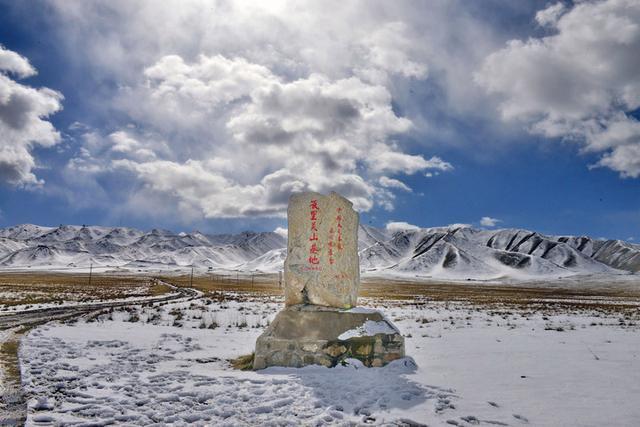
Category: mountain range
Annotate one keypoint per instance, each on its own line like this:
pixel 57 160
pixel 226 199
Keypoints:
pixel 452 252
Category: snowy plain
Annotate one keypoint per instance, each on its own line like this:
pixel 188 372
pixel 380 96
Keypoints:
pixel 468 365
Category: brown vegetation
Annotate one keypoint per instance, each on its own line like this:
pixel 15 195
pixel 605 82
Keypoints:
pixel 245 283
pixel 9 360
pixel 524 294
pixel 243 363
pixel 38 288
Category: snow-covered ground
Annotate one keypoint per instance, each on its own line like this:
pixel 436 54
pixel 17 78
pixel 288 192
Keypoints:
pixel 167 364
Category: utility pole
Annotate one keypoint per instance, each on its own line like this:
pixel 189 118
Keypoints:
pixel 90 271
pixel 191 280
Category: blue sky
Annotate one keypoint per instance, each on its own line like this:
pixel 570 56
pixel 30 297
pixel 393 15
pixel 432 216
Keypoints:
pixel 206 115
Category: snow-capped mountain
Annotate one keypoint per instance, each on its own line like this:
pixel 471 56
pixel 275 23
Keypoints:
pixel 463 252
pixel 443 252
pixel 75 246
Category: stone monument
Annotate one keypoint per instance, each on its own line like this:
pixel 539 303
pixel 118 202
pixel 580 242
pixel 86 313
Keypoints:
pixel 320 323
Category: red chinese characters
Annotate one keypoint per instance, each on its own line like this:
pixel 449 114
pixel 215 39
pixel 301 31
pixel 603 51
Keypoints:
pixel 314 250
pixel 331 259
pixel 335 237
pixel 339 227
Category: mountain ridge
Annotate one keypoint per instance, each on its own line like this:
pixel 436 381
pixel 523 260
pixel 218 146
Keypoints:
pixel 450 252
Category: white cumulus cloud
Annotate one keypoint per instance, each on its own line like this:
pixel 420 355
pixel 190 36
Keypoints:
pixel 23 120
pixel 293 95
pixel 487 221
pixel 550 15
pixel 284 232
pixel 580 82
pixel 234 136
pixel 387 182
pixel 400 226
pixel 13 62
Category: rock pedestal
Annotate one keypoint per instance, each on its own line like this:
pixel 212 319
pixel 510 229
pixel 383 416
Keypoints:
pixel 322 277
pixel 314 335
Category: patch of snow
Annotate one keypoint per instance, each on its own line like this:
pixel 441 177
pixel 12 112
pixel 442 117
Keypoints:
pixel 368 329
pixel 359 309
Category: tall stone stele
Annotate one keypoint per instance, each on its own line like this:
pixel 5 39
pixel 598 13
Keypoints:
pixel 322 265
pixel 319 324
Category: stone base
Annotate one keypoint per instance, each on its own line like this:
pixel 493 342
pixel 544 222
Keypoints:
pixel 313 335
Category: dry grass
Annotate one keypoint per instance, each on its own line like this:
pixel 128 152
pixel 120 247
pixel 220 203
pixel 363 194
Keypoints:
pixel 38 288
pixel 158 289
pixel 539 294
pixel 9 360
pixel 396 289
pixel 261 284
pixel 48 287
pixel 69 279
pixel 542 296
pixel 243 363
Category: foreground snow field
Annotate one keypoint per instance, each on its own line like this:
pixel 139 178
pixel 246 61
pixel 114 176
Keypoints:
pixel 168 364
